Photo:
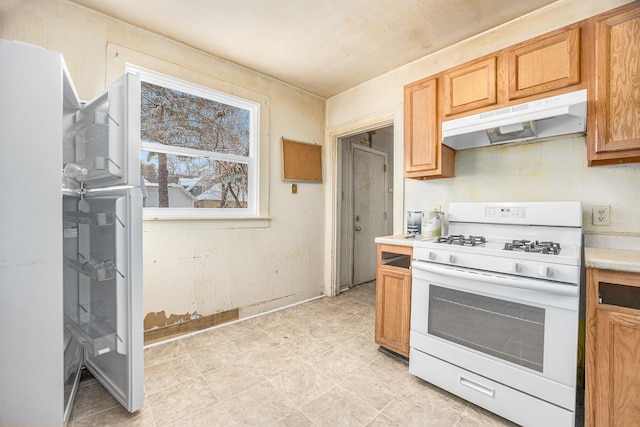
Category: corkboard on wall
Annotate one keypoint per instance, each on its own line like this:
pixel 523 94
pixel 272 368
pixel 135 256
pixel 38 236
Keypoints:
pixel 301 161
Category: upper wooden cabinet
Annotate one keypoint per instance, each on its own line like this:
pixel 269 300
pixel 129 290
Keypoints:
pixel 601 54
pixel 613 133
pixel 470 87
pixel 424 155
pixel 545 64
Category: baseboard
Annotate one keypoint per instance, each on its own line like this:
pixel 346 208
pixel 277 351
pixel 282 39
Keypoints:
pixel 155 335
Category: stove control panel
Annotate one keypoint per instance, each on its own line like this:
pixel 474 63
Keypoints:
pixel 505 212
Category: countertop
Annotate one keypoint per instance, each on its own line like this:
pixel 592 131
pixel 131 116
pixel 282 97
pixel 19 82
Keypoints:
pixel 620 253
pixel 612 259
pixel 398 240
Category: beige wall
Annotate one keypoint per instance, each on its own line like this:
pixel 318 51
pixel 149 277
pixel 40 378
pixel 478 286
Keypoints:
pixel 211 266
pixel 206 266
pixel 549 170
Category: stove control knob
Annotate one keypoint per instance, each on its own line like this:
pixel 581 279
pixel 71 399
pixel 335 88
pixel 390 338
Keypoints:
pixel 452 258
pixel 431 255
pixel 513 267
pixel 544 271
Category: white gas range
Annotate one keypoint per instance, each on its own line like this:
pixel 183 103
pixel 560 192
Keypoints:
pixel 494 310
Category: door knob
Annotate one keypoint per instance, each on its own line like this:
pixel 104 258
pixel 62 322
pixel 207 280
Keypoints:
pixel 358 228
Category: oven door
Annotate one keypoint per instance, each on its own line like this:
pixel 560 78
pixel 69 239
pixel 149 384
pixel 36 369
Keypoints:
pixel 516 331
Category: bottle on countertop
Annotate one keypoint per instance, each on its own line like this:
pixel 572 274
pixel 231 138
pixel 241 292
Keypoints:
pixel 414 222
pixel 432 223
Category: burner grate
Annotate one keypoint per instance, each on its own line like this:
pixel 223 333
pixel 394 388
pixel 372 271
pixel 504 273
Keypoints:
pixel 459 239
pixel 533 246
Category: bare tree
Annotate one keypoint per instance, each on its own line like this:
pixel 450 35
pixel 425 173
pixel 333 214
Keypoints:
pixel 174 118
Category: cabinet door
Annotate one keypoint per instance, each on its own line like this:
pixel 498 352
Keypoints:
pixel 614 134
pixel 421 131
pixel 393 297
pixel 470 87
pixel 393 309
pixel 612 348
pixel 545 65
pixel 425 156
pixel 618 373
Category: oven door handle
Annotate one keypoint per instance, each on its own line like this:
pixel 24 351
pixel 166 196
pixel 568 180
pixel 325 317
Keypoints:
pixel 511 282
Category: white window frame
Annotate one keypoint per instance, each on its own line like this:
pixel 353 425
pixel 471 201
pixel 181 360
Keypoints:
pixel 252 210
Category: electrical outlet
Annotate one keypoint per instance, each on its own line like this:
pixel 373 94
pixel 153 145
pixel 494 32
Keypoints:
pixel 601 215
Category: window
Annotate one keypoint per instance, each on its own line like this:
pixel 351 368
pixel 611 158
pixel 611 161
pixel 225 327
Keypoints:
pixel 198 152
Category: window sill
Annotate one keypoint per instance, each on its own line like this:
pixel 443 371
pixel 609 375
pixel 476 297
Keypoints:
pixel 217 222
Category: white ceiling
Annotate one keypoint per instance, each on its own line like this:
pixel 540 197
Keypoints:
pixel 321 46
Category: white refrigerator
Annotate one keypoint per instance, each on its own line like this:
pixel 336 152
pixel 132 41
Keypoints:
pixel 70 239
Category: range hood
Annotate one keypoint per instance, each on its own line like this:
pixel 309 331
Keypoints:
pixel 553 116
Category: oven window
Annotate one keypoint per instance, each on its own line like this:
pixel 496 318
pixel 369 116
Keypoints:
pixel 504 329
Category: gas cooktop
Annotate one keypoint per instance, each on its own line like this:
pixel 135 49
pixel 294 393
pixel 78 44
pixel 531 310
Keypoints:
pixel 519 245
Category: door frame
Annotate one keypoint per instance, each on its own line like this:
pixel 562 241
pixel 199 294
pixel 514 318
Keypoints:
pixel 351 236
pixel 388 117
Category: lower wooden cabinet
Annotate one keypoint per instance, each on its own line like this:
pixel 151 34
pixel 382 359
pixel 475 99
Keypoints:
pixel 393 298
pixel 612 386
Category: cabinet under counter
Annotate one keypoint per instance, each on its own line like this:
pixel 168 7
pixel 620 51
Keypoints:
pixel 393 295
pixel 612 337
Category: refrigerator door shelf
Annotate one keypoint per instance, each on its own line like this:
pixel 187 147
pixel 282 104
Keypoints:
pixel 92 124
pixel 97 270
pixel 90 218
pixel 89 331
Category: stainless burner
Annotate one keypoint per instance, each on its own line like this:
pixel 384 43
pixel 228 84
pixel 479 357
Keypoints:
pixel 529 246
pixel 459 239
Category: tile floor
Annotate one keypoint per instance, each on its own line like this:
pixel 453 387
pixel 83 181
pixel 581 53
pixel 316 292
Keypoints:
pixel 314 364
